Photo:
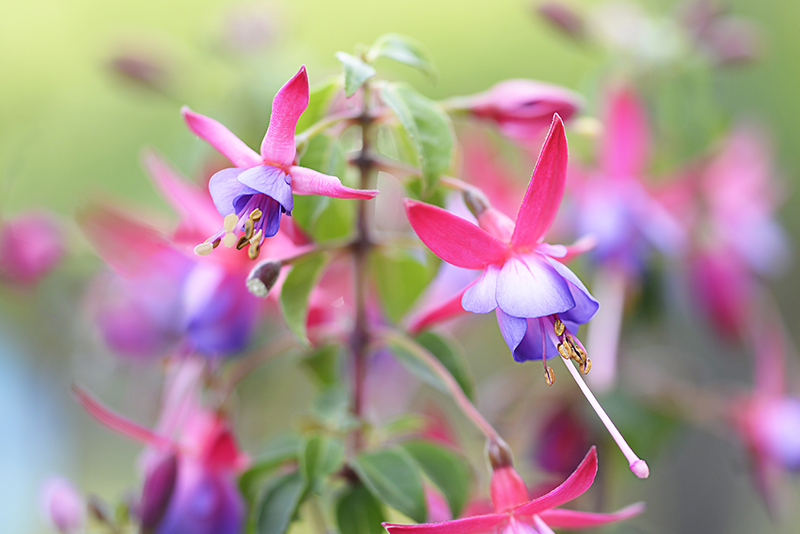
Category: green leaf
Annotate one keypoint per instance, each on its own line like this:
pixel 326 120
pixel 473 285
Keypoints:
pixel 356 72
pixel 401 278
pixel 357 512
pixel 452 358
pixel 449 471
pixel 276 452
pixel 331 407
pixel 393 477
pixel 428 126
pixel 404 50
pixel 319 457
pixel 279 503
pixel 323 364
pixel 417 367
pixel 296 290
pixel 320 96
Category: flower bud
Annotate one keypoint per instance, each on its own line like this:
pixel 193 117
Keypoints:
pixel 562 17
pixel 143 69
pixel 263 277
pixel 157 491
pixel 63 505
pixel 31 245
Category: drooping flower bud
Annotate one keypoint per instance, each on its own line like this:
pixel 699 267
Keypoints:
pixel 63 505
pixel 263 277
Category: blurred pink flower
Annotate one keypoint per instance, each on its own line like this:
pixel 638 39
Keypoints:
pixel 515 513
pixel 63 505
pixel 31 245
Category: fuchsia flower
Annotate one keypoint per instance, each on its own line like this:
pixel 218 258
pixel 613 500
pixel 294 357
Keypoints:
pixel 190 464
pixel 539 302
pixel 31 245
pixel 522 109
pixel 516 513
pixel 253 194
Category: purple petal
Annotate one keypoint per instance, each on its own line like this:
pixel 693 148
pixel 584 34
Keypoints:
pixel 531 347
pixel 528 286
pixel 512 328
pixel 585 304
pixel 270 181
pixel 481 296
pixel 224 187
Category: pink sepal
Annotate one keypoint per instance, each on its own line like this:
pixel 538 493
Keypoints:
pixel 437 313
pixel 454 239
pixel 626 143
pixel 507 488
pixel 576 484
pixel 310 182
pixel 469 525
pixel 543 197
pixel 278 146
pixel 560 518
pixel 581 246
pixel 218 136
pixel 118 423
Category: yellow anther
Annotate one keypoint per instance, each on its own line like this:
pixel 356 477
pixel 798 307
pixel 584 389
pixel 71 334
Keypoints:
pixel 549 376
pixel 230 223
pixel 563 351
pixel 243 241
pixel 216 242
pixel 203 249
pixel 255 215
pixel 255 240
pixel 586 366
pixel 229 240
pixel 559 327
pixel 253 251
pixel 248 228
pixel 582 357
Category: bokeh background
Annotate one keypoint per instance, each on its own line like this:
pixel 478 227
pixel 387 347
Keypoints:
pixel 72 129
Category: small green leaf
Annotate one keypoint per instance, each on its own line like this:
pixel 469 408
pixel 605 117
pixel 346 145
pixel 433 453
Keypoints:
pixel 319 457
pixel 323 364
pixel 404 50
pixel 393 477
pixel 449 471
pixel 279 504
pixel 276 452
pixel 428 126
pixel 296 290
pixel 357 512
pixel 320 96
pixel 401 278
pixel 452 358
pixel 417 367
pixel 356 72
pixel 331 407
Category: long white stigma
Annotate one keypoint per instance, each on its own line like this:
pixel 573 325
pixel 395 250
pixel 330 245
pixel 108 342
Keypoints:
pixel 638 466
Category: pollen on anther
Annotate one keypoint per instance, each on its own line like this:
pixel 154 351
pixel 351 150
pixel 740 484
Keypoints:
pixel 255 215
pixel 243 241
pixel 253 251
pixel 229 240
pixel 549 376
pixel 562 350
pixel 586 366
pixel 559 327
pixel 204 249
pixel 256 238
pixel 229 223
pixel 248 228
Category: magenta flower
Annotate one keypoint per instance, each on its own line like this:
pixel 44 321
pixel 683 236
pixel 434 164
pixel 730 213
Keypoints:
pixel 522 109
pixel 516 513
pixel 539 302
pixel 63 505
pixel 191 462
pixel 31 245
pixel 253 194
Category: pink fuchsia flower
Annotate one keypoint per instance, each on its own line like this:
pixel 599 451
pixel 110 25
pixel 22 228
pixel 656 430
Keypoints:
pixel 31 245
pixel 191 461
pixel 259 188
pixel 63 505
pixel 515 513
pixel 521 109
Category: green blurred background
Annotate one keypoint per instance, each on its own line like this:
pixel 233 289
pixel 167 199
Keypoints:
pixel 71 129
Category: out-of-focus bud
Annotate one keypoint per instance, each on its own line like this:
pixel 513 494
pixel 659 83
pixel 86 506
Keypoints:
pixel 564 18
pixel 732 41
pixel 697 15
pixel 63 505
pixel 562 440
pixel 522 109
pixel 141 68
pixel 263 277
pixel 31 245
pixel 158 488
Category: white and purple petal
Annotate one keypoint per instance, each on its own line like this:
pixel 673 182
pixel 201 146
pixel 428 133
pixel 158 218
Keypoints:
pixel 481 297
pixel 225 187
pixel 512 328
pixel 270 181
pixel 528 286
pixel 586 305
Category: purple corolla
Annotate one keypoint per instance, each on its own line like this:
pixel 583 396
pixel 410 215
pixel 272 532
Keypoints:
pixel 254 193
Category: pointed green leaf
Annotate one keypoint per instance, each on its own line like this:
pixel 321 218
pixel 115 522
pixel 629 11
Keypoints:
pixel 452 358
pixel 279 504
pixel 331 407
pixel 319 457
pixel 296 290
pixel 357 512
pixel 401 277
pixel 393 477
pixel 276 452
pixel 356 72
pixel 428 126
pixel 404 50
pixel 417 367
pixel 319 99
pixel 449 471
